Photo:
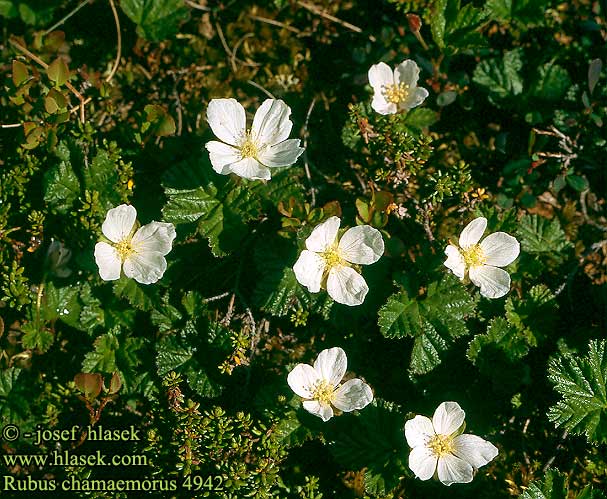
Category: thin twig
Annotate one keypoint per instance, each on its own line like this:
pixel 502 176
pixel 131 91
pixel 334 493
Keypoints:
pixel 305 154
pixel 316 10
pixel 119 37
pixel 274 22
pixel 235 50
pixel 12 125
pixel 194 5
pixel 225 46
pixel 37 59
pixel 67 16
pixel 214 298
pixel 558 447
pixel 258 86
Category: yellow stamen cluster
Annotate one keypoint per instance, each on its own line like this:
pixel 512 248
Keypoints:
pixel 474 256
pixel 323 392
pixel 441 445
pixel 248 149
pixel 124 248
pixel 395 94
pixel 332 257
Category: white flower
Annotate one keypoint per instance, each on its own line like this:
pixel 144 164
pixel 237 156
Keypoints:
pixel 138 252
pixel 397 90
pixel 250 153
pixel 439 448
pixel 481 261
pixel 319 385
pixel 328 263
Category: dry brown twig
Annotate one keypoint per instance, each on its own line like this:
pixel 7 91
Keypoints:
pixel 318 11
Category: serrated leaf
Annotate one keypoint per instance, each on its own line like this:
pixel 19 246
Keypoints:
pixel 221 212
pixel 36 337
pixel 290 432
pixel 551 83
pixel 156 20
pixel 502 339
pixel 115 351
pixel 542 237
pixel 551 487
pixel 501 77
pixel 139 295
pixel 421 117
pixel 582 383
pixel 456 27
pixel 61 187
pixel 101 175
pixel 434 321
pixel 175 353
pixel 523 11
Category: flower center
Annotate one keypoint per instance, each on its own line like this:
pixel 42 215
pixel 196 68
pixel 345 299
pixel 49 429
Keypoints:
pixel 440 445
pixel 125 249
pixel 332 257
pixel 474 256
pixel 248 149
pixel 395 93
pixel 323 392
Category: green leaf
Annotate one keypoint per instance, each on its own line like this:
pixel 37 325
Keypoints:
pixel 101 175
pixel 175 353
pixel 421 117
pixel 578 183
pixel 540 236
pixel 156 20
pixel 434 321
pixel 61 303
pixel 221 212
pixel 8 9
pixel 58 71
pixel 373 440
pixel 551 487
pixel 36 337
pixel 500 343
pixel 582 383
pixel 61 187
pixel 456 27
pixel 501 77
pixel 551 83
pixel 115 351
pixel 161 122
pixel 140 296
pixel 523 11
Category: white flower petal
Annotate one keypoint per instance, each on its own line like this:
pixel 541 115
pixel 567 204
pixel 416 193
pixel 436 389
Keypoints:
pixel 250 168
pixel 500 249
pixel 452 469
pixel 146 267
pixel 119 222
pixel 346 286
pixel 381 106
pixel 415 98
pixel 407 72
pixel 447 418
pixel 380 75
pixel 155 236
pixel 302 380
pixel 309 269
pixel 353 395
pixel 222 156
pixel 228 120
pixel 494 282
pixel 271 123
pixel 474 450
pixel 323 236
pixel 108 261
pixel 455 261
pixel 362 244
pixel 418 431
pixel 322 410
pixel 422 462
pixel 473 232
pixel 282 154
pixel 331 365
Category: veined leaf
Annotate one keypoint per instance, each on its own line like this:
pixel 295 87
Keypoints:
pixel 434 321
pixel 582 383
pixel 156 20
